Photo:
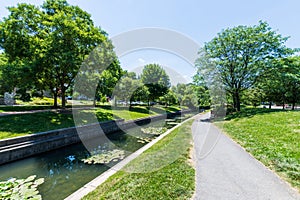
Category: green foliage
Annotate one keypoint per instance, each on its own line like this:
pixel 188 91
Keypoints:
pixel 126 88
pixel 237 56
pixel 252 96
pixel 169 98
pixel 42 101
pixel 21 188
pixel 187 94
pixel 271 136
pixel 281 83
pixel 156 80
pixel 105 157
pixel 201 90
pixel 51 41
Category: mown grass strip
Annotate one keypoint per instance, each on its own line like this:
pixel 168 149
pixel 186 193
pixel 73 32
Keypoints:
pixel 24 124
pixel 161 172
pixel 271 136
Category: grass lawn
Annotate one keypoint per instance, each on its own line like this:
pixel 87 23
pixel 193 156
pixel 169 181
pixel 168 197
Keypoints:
pixel 23 124
pixel 171 180
pixel 271 136
pixel 22 108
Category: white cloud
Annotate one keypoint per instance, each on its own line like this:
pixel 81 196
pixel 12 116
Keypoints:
pixel 141 61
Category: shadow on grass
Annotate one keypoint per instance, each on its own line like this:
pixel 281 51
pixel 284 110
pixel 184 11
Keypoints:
pixel 105 116
pixel 35 122
pixel 23 108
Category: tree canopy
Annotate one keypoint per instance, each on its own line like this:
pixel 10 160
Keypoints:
pixel 156 80
pixel 53 40
pixel 238 56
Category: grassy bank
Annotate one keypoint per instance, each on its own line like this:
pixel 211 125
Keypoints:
pixel 271 136
pixel 22 108
pixel 161 172
pixel 23 124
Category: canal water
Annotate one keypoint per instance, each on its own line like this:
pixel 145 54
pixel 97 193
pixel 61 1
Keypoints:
pixel 64 171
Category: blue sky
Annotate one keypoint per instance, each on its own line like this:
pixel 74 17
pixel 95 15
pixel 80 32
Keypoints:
pixel 197 19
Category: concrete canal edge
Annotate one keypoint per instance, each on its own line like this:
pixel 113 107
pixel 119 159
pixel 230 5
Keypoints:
pixel 92 185
pixel 25 146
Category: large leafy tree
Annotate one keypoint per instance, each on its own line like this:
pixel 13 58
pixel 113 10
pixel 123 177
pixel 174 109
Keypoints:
pixel 239 55
pixel 156 80
pixel 53 39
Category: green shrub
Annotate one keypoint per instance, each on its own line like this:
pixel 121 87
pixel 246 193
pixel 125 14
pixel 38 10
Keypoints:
pixel 43 101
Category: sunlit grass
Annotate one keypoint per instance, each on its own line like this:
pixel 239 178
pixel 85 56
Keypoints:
pixel 272 136
pixel 161 179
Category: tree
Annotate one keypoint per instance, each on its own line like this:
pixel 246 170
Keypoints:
pixel 281 83
pixel 179 90
pixel 190 98
pixel 109 78
pixel 125 89
pixel 169 98
pixel 54 40
pixel 141 93
pixel 240 55
pixel 156 80
pixel 290 66
pixel 253 96
pixel 188 94
pixel 201 90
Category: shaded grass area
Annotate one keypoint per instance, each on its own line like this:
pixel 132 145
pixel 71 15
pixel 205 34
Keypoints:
pixel 18 125
pixel 23 124
pixel 161 172
pixel 271 136
pixel 22 108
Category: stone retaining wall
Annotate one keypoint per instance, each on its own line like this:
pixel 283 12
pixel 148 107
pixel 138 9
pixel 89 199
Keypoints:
pixel 25 146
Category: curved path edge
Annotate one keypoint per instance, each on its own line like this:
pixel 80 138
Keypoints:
pixel 224 170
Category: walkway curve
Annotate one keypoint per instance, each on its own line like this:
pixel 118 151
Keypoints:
pixel 224 170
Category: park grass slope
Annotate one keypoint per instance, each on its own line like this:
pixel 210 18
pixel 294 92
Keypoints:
pixel 24 124
pixel 272 137
pixel 161 172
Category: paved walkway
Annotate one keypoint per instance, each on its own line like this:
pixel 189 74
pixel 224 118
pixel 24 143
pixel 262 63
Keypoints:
pixel 225 171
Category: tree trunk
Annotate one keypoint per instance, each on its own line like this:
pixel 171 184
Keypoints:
pixel 293 105
pixel 237 101
pixel 55 98
pixel 63 97
pixel 234 101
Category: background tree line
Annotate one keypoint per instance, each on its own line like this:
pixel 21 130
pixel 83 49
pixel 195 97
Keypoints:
pixel 43 49
pixel 153 86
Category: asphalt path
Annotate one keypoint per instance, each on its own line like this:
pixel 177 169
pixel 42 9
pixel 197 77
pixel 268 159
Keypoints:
pixel 224 170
